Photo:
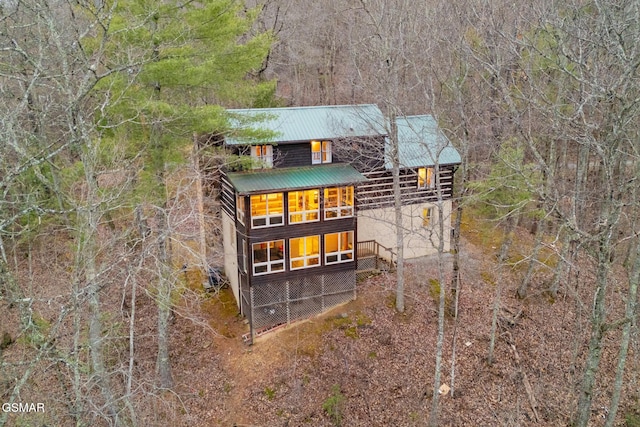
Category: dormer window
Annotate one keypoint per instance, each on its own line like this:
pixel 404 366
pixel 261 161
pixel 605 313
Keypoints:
pixel 425 178
pixel 263 154
pixel 320 152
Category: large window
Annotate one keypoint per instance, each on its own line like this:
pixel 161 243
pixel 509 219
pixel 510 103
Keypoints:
pixel 305 252
pixel 338 247
pixel 304 206
pixel 267 210
pixel 425 178
pixel 263 154
pixel 338 202
pixel 268 257
pixel 320 152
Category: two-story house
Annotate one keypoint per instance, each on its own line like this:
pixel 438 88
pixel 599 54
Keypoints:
pixel 292 223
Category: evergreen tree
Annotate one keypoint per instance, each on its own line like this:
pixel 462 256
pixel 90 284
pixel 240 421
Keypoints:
pixel 195 58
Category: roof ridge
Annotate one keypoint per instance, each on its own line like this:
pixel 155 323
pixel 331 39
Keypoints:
pixel 302 107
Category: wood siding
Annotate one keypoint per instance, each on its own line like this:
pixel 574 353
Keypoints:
pixel 301 229
pixel 378 191
pixel 227 196
pixel 287 232
pixel 292 155
pixel 365 154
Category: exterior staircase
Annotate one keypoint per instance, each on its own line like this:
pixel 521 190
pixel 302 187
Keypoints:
pixel 373 257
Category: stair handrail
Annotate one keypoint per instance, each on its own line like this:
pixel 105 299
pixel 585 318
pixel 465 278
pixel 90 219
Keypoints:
pixel 378 246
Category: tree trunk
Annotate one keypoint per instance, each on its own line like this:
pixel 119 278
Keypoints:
pixel 15 295
pixel 457 225
pixel 89 217
pixel 132 334
pixel 77 352
pixel 200 201
pixel 533 259
pixel 165 287
pixel 433 416
pixel 559 272
pixel 630 312
pixel 397 208
pixel 580 189
pixel 598 329
pixel 504 251
pixel 454 340
pixel 635 213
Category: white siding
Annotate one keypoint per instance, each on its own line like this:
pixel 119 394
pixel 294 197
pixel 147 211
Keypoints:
pixel 231 254
pixel 419 240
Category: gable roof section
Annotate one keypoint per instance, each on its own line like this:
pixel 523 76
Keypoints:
pixel 296 124
pixel 287 179
pixel 421 142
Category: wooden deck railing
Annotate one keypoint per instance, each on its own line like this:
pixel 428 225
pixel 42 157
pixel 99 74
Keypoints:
pixel 370 255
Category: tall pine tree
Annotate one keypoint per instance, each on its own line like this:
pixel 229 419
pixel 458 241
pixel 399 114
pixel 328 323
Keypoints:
pixel 190 59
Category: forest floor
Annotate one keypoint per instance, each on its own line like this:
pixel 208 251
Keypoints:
pixel 363 364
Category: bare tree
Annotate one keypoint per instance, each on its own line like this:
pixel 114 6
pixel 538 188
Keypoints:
pixel 570 83
pixel 47 89
pixel 71 159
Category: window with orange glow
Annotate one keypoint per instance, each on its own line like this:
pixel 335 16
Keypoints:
pixel 427 213
pixel 338 202
pixel 326 151
pixel 425 177
pixel 268 257
pixel 338 247
pixel 263 154
pixel 304 206
pixel 267 210
pixel 240 208
pixel 304 252
pixel 320 152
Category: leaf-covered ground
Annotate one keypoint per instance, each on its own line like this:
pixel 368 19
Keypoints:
pixel 363 364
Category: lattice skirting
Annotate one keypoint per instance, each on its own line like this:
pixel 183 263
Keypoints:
pixel 279 303
pixel 367 263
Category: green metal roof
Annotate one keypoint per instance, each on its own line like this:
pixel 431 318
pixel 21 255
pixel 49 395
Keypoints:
pixel 420 140
pixel 309 123
pixel 420 143
pixel 295 178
